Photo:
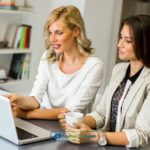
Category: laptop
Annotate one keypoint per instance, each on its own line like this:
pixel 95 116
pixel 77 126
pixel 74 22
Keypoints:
pixel 17 130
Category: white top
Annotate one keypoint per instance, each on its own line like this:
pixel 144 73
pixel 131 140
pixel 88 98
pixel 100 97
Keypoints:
pixel 72 91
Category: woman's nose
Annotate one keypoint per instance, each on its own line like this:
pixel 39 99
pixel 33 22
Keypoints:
pixel 120 43
pixel 53 38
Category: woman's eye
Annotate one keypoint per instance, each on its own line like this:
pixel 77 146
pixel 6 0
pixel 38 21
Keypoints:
pixel 59 32
pixel 129 41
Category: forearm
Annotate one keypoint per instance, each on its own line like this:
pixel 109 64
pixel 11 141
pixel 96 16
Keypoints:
pixel 49 114
pixel 28 103
pixel 117 138
pixel 88 120
pixel 113 138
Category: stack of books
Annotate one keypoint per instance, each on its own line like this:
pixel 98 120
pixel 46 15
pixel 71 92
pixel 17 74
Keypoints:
pixel 8 4
pixel 18 36
pixel 22 37
pixel 20 66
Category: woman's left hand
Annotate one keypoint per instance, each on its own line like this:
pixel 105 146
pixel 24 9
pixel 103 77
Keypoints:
pixel 61 118
pixel 81 133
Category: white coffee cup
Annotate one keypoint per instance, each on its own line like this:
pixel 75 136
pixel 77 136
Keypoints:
pixel 73 117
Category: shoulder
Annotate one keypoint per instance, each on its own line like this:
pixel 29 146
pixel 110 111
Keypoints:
pixel 120 67
pixel 94 64
pixel 146 74
pixel 95 60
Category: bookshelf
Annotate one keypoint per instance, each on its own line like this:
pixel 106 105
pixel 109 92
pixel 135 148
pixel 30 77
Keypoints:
pixel 20 17
pixel 22 11
pixel 14 51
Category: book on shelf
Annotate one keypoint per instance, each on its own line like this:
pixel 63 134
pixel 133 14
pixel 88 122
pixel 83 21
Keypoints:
pixel 22 36
pixel 8 7
pixel 16 65
pixel 20 66
pixel 27 37
pixel 17 37
pixel 25 67
pixel 8 4
pixel 10 34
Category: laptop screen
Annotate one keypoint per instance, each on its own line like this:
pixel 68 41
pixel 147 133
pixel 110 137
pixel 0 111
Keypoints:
pixel 7 124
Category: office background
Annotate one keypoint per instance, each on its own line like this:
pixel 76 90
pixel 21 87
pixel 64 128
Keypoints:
pixel 102 19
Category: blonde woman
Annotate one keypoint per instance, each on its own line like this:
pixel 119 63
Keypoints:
pixel 68 72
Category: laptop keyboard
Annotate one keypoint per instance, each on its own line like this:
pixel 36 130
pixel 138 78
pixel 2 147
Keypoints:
pixel 22 134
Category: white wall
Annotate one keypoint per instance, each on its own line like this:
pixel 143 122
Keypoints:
pixel 102 19
pixel 78 3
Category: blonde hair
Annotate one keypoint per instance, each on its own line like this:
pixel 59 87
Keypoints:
pixel 70 15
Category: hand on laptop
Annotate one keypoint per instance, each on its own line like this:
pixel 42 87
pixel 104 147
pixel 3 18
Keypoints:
pixel 14 98
pixel 24 102
pixel 19 112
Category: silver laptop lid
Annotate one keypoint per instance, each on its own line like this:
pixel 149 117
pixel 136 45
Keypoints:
pixel 7 124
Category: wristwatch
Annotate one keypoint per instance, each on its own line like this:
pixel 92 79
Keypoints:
pixel 102 138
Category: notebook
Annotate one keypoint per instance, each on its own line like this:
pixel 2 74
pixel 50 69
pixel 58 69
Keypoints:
pixel 17 130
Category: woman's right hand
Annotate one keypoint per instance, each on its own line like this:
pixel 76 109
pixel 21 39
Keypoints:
pixel 14 99
pixel 24 102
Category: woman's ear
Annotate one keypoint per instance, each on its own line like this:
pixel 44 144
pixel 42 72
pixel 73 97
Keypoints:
pixel 76 31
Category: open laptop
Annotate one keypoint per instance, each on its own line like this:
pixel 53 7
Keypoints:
pixel 17 130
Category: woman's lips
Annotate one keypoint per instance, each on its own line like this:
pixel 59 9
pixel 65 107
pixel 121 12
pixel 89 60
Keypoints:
pixel 56 46
pixel 121 52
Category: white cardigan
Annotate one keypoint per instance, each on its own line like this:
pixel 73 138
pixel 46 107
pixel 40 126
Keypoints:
pixel 72 91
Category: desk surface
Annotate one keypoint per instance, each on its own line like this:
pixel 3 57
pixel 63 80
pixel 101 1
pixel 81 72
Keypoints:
pixel 52 144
